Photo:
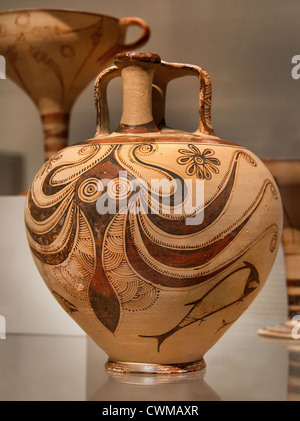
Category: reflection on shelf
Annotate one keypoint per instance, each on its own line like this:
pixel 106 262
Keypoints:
pixel 164 387
pixel 110 386
pixel 293 366
pixel 294 372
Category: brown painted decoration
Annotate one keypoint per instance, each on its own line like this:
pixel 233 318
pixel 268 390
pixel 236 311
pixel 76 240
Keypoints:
pixel 54 54
pixel 154 240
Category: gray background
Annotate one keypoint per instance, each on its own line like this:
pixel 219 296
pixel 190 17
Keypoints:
pixel 245 45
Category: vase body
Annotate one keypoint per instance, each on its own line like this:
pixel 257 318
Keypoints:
pixel 154 240
pixel 54 54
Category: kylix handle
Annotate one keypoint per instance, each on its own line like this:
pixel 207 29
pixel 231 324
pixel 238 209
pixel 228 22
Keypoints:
pixel 125 23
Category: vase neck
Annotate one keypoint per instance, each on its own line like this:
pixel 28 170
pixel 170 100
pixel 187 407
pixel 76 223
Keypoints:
pixel 137 76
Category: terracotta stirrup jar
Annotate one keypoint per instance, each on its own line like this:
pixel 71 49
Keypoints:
pixel 153 240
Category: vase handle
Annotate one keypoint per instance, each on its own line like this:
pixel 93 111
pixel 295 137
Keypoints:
pixel 169 71
pixel 100 97
pixel 125 23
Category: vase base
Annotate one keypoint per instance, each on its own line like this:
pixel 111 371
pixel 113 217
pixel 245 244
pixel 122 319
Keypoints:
pixel 281 331
pixel 130 367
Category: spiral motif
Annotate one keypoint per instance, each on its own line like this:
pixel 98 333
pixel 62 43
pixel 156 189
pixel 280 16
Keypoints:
pixel 90 189
pixel 87 149
pixel 56 157
pixel 119 188
pixel 249 159
pixel 273 242
pixel 147 149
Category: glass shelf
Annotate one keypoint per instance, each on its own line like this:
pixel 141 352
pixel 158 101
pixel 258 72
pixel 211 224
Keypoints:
pixel 241 366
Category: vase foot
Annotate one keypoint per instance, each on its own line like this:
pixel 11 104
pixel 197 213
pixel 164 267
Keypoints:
pixel 130 367
pixel 281 331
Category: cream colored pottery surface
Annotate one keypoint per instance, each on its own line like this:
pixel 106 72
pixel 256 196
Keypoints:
pixel 149 286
